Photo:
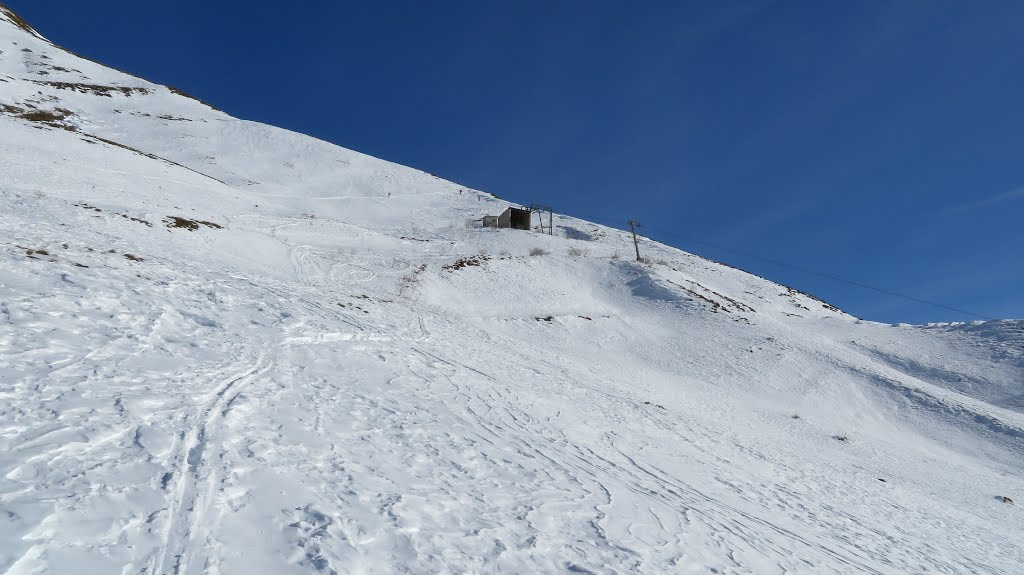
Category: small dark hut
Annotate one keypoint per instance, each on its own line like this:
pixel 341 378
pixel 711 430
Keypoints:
pixel 490 221
pixel 515 218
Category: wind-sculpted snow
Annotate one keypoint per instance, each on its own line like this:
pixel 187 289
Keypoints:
pixel 229 348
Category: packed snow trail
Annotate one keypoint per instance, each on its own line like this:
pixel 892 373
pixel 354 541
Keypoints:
pixel 228 348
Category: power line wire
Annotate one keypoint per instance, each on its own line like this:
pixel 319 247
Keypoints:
pixel 802 269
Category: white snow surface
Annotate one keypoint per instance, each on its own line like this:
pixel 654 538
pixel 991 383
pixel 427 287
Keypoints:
pixel 319 386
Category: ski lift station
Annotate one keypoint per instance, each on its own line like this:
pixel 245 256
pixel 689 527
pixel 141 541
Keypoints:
pixel 514 218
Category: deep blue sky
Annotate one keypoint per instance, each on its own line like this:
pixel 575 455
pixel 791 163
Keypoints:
pixel 879 141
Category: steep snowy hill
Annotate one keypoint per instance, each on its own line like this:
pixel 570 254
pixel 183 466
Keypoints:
pixel 230 348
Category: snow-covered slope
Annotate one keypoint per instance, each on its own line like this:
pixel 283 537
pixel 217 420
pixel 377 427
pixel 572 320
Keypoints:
pixel 229 348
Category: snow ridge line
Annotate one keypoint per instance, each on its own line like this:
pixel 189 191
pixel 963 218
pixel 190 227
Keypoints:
pixel 187 503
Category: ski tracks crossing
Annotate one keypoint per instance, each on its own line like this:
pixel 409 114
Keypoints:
pixel 192 480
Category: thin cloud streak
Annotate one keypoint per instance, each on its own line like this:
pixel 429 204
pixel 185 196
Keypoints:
pixel 1014 194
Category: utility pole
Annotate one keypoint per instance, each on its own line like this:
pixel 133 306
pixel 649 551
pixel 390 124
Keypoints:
pixel 540 209
pixel 633 225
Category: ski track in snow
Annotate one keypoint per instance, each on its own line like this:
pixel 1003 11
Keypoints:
pixel 189 498
pixel 335 372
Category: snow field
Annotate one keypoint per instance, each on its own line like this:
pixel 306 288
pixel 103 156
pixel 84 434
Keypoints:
pixel 335 373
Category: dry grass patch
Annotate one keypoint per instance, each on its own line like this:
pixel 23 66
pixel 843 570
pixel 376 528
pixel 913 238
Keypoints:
pixel 190 225
pixel 56 118
pixel 17 20
pixel 98 90
pixel 466 262
pixel 185 94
